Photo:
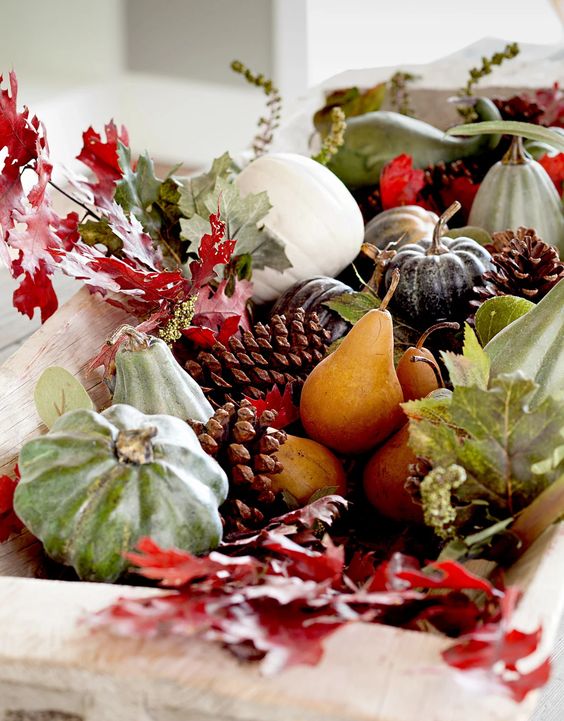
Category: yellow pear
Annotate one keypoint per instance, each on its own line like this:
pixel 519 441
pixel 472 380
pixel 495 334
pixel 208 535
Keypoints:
pixel 351 400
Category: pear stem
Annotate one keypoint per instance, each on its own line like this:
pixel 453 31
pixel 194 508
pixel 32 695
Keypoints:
pixel 436 247
pixel 434 366
pixel 432 329
pixel 391 290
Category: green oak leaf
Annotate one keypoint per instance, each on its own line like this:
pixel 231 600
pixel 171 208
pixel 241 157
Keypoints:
pixel 472 368
pixel 58 391
pixel 195 191
pixel 497 313
pixel 98 232
pixel 138 189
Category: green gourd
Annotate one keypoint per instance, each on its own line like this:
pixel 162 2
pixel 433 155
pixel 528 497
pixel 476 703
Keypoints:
pixel 148 378
pixel 437 276
pixel 517 191
pixel 534 345
pixel 97 483
pixel 373 139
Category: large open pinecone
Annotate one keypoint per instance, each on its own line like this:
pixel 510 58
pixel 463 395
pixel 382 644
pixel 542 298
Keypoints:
pixel 525 266
pixel 245 446
pixel 276 353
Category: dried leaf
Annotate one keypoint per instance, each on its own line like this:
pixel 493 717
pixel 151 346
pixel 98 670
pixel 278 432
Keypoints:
pixel 56 392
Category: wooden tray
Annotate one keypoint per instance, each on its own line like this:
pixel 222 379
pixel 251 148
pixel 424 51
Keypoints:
pixel 54 669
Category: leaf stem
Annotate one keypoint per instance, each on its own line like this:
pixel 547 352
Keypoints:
pixel 70 197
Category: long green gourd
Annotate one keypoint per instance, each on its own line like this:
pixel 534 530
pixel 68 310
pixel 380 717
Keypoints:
pixel 534 345
pixel 373 139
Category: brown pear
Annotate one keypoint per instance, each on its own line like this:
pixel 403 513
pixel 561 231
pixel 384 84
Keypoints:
pixel 351 400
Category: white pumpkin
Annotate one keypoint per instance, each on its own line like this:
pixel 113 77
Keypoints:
pixel 313 214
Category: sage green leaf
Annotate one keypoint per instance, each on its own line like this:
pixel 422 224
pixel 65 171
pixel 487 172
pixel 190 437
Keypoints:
pixel 352 306
pixel 194 191
pixel 321 493
pixel 511 127
pixel 98 232
pixel 472 368
pixel 58 391
pixel 497 313
pixel 481 236
pixel 138 189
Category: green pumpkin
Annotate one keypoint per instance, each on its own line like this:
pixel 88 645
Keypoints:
pixel 149 379
pixel 437 276
pixel 517 191
pixel 98 482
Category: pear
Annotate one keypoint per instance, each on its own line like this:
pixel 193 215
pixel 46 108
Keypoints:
pixel 350 402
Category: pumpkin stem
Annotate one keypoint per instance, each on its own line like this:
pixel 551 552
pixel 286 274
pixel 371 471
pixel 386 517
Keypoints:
pixel 434 366
pixel 135 446
pixel 391 290
pixel 445 324
pixel 136 339
pixel 516 155
pixel 436 247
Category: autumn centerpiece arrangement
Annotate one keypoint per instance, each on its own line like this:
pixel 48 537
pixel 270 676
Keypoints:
pixel 326 400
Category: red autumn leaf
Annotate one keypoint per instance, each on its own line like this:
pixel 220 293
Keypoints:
pixel 36 291
pixel 400 183
pixel 551 101
pixel 306 563
pixel 18 133
pixel 213 309
pixel 213 251
pixel 137 245
pixel 66 230
pixel 445 574
pixel 283 404
pixel 554 166
pixel 102 159
pixel 11 201
pixel 9 522
pixel 207 338
pixel 463 190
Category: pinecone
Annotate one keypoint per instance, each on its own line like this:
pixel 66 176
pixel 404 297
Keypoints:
pixel 280 352
pixel 525 266
pixel 245 446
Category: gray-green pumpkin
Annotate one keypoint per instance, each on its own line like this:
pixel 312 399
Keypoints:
pixel 98 482
pixel 148 377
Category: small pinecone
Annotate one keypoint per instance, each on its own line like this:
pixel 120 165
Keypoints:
pixel 519 108
pixel 525 266
pixel 280 352
pixel 245 446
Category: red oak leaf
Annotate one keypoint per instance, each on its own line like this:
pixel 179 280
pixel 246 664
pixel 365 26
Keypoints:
pixel 18 133
pixel 36 291
pixel 207 338
pixel 400 183
pixel 554 166
pixel 66 230
pixel 463 190
pixel 9 522
pixel 445 574
pixel 214 308
pixel 102 159
pixel 11 201
pixel 213 250
pixel 551 100
pixel 283 404
pixel 137 245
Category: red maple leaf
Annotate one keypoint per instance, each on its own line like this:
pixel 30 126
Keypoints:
pixel 36 291
pixel 9 522
pixel 400 183
pixel 286 411
pixel 554 166
pixel 213 309
pixel 102 159
pixel 207 338
pixel 213 251
pixel 18 133
pixel 463 190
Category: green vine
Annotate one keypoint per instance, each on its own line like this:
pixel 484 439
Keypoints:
pixel 510 51
pixel 267 125
pixel 400 99
pixel 335 138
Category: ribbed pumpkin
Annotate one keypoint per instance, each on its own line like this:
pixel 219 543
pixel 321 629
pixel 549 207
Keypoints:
pixel 97 483
pixel 149 379
pixel 437 276
pixel 313 215
pixel 517 191
pixel 405 224
pixel 534 345
pixel 311 295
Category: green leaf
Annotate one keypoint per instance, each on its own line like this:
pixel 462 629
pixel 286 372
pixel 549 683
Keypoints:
pixel 98 232
pixel 352 306
pixel 194 191
pixel 58 391
pixel 321 493
pixel 138 189
pixel 497 313
pixel 511 127
pixel 290 500
pixel 481 236
pixel 352 102
pixel 472 368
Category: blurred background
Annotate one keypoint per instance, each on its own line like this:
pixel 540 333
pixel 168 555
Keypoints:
pixel 162 69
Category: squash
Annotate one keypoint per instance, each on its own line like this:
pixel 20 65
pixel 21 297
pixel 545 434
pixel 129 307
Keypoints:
pixel 405 224
pixel 517 191
pixel 437 276
pixel 534 345
pixel 97 483
pixel 311 295
pixel 149 378
pixel 313 215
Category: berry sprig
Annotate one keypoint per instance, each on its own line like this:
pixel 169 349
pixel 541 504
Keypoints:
pixel 334 139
